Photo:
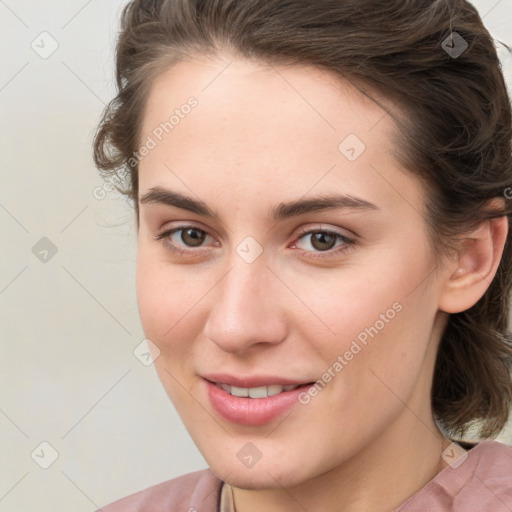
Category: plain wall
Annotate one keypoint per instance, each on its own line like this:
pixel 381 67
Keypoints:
pixel 70 323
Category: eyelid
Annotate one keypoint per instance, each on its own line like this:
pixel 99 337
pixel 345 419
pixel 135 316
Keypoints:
pixel 350 235
pixel 168 231
pixel 349 240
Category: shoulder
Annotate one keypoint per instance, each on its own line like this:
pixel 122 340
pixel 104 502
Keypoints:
pixel 193 492
pixel 495 448
pixel 480 479
pixel 489 478
pixel 493 462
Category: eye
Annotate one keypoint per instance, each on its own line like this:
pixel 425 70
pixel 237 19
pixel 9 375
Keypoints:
pixel 324 241
pixel 190 236
pixel 183 240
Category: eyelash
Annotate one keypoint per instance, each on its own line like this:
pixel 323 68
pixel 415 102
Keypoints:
pixel 347 242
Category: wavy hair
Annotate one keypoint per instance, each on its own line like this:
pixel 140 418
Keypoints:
pixel 453 115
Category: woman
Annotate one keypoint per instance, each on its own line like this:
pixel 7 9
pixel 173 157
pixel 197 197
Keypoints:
pixel 324 263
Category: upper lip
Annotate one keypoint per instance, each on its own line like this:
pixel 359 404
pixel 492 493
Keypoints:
pixel 253 381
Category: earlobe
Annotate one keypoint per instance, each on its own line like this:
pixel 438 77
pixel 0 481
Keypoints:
pixel 476 264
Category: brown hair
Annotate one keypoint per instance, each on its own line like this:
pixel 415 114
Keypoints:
pixel 454 121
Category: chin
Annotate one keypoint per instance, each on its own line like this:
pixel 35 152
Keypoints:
pixel 257 480
pixel 261 476
pixel 251 483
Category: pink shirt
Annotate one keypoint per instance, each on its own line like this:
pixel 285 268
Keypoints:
pixel 482 483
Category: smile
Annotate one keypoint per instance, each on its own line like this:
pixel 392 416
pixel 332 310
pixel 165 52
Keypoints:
pixel 252 401
pixel 257 392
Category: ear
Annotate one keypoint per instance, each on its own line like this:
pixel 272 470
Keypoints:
pixel 475 264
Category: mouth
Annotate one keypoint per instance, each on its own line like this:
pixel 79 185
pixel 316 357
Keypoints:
pixel 259 391
pixel 252 401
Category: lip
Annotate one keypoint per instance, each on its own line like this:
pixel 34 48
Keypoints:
pixel 252 411
pixel 252 381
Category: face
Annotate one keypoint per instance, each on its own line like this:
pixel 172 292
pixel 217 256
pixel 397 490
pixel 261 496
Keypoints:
pixel 252 284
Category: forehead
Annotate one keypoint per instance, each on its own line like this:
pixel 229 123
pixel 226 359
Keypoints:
pixel 231 90
pixel 269 128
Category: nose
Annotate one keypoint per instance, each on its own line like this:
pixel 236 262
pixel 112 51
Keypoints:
pixel 247 308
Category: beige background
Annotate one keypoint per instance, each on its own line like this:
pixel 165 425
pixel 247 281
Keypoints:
pixel 68 373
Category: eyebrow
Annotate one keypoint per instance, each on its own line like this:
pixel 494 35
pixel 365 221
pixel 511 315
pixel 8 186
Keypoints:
pixel 160 195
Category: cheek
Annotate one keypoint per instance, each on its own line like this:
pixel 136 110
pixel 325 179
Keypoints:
pixel 375 326
pixel 165 310
pixel 165 295
pixel 354 303
pixel 154 298
pixel 162 309
pixel 387 361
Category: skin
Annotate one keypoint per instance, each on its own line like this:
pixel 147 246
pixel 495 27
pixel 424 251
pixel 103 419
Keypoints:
pixel 261 135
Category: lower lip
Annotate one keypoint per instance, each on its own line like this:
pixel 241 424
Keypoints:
pixel 252 411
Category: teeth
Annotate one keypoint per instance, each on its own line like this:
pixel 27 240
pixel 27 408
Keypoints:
pixel 238 391
pixel 275 389
pixel 225 387
pixel 259 392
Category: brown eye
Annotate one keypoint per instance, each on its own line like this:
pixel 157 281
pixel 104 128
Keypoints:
pixel 323 243
pixel 182 240
pixel 323 240
pixel 192 237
